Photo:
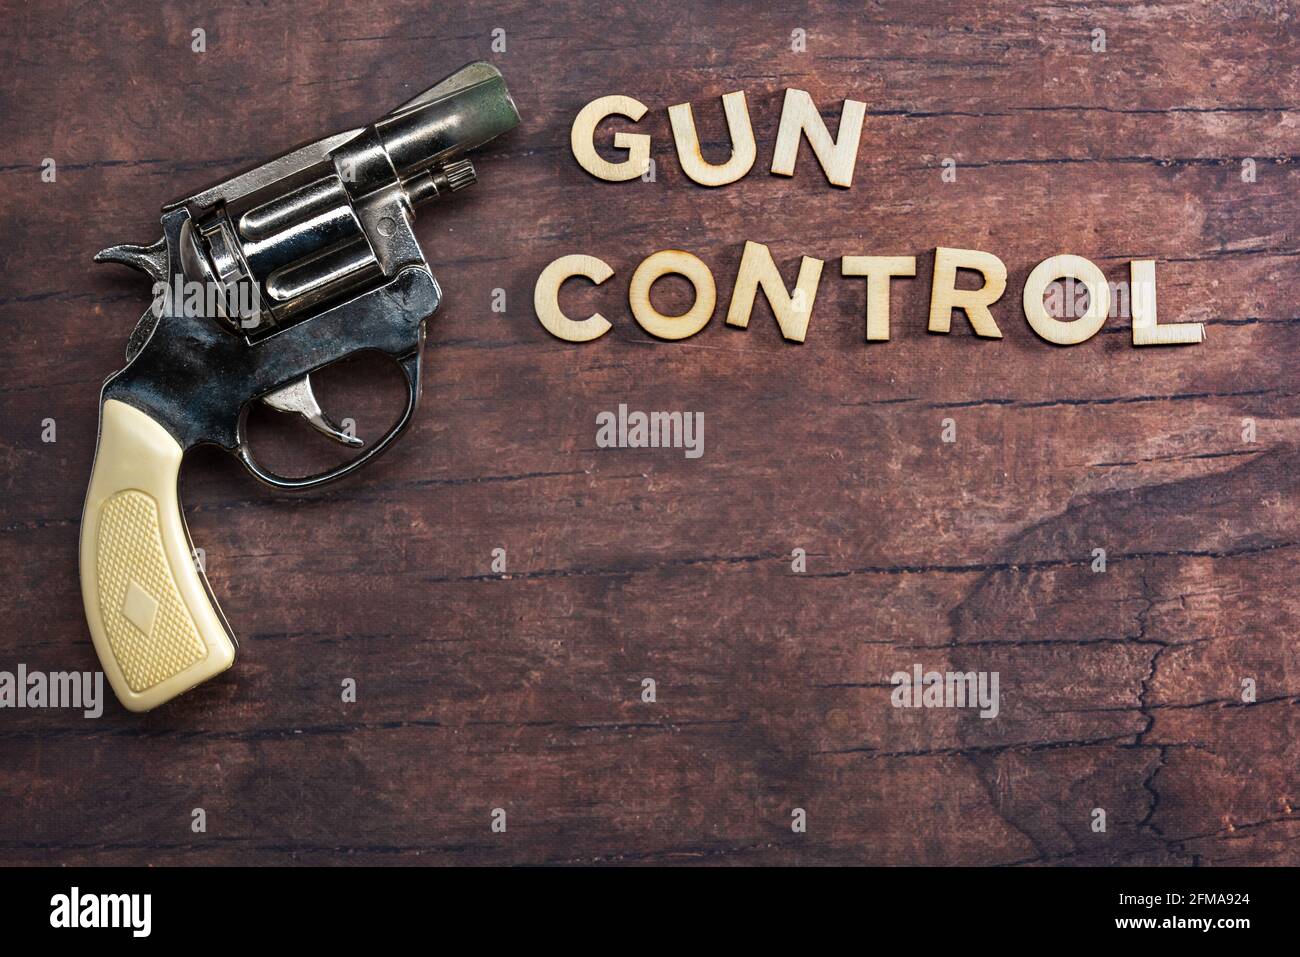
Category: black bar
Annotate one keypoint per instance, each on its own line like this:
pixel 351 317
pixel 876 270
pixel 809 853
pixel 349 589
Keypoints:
pixel 947 907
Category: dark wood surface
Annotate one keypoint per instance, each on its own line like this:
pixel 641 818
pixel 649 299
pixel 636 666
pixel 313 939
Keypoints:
pixel 522 691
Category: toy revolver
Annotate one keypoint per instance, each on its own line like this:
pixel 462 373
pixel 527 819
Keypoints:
pixel 308 258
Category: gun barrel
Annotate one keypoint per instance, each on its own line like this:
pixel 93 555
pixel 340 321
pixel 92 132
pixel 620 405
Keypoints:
pixel 464 111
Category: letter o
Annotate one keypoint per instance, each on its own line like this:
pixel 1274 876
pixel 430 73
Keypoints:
pixel 1061 267
pixel 660 264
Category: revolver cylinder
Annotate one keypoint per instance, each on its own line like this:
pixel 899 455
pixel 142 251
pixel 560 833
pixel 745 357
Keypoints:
pixel 308 240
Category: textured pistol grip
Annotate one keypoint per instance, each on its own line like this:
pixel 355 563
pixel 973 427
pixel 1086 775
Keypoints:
pixel 156 629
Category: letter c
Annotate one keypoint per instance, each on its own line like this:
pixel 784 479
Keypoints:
pixel 546 298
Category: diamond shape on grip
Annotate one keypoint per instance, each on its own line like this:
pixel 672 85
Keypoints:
pixel 139 607
pixel 150 644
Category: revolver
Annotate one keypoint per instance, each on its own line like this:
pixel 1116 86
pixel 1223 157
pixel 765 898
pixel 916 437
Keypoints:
pixel 265 278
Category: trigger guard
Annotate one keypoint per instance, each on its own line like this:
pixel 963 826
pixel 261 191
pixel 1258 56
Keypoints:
pixel 410 366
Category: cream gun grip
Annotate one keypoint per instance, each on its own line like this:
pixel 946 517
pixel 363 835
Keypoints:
pixel 157 630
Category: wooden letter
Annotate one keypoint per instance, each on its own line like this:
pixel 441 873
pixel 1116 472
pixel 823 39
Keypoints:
pixel 878 270
pixel 546 298
pixel 792 312
pixel 1077 330
pixel 945 296
pixel 1142 301
pixel 661 264
pixel 582 139
pixel 838 157
pixel 743 149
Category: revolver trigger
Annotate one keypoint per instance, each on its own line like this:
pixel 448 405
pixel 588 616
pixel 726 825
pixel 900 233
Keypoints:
pixel 148 259
pixel 298 397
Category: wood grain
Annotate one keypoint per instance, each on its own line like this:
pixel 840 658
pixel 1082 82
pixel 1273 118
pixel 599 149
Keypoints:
pixel 522 690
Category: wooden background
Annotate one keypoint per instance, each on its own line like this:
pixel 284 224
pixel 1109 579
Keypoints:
pixel 478 691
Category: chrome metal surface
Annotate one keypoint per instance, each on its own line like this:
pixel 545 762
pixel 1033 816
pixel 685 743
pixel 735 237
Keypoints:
pixel 151 260
pixel 298 397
